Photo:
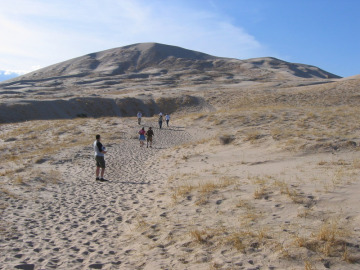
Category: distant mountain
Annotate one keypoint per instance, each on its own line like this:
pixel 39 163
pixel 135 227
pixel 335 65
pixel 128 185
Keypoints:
pixel 122 80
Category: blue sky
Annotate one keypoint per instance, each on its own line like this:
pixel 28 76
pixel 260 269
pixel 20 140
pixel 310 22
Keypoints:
pixel 323 33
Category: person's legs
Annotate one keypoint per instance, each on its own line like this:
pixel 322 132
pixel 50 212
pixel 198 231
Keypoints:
pixel 100 167
pixel 97 172
pixel 167 122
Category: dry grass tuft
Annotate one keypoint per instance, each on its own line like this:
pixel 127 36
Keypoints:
pixel 8 193
pixel 203 188
pixel 260 193
pixel 244 204
pixel 19 180
pixel 141 223
pixel 236 241
pixel 252 136
pixel 327 241
pixel 199 236
pixel 308 266
pixel 180 192
pixel 330 231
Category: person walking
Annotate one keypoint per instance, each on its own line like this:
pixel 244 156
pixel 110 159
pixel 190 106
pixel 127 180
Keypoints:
pixel 139 115
pixel 149 135
pixel 142 136
pixel 160 120
pixel 167 119
pixel 100 151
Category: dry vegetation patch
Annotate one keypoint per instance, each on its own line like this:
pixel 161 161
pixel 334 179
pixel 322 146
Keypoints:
pixel 246 215
pixel 28 146
pixel 218 208
pixel 298 119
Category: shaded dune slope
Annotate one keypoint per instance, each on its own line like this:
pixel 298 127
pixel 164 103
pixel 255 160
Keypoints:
pixel 97 107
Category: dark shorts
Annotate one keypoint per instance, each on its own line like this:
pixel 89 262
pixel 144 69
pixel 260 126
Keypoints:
pixel 100 161
pixel 149 138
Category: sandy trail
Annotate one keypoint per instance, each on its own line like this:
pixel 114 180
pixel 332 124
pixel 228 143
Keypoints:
pixel 78 224
pixel 189 202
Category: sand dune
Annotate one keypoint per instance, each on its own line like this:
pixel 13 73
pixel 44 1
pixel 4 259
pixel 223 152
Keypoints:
pixel 140 73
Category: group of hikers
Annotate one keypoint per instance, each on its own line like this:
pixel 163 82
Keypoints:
pixel 161 117
pixel 149 134
pixel 100 150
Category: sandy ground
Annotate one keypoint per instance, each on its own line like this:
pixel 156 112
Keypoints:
pixel 190 202
pixel 77 224
pixel 280 190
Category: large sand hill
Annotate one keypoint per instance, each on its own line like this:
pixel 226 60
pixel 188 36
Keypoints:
pixel 120 81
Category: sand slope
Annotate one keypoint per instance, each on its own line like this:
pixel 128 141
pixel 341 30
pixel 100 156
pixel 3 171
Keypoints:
pixel 78 223
pixel 188 203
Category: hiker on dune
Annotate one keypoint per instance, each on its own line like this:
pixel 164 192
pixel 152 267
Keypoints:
pixel 149 134
pixel 142 136
pixel 139 115
pixel 100 150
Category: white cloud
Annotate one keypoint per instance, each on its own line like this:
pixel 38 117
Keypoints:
pixel 41 33
pixel 10 72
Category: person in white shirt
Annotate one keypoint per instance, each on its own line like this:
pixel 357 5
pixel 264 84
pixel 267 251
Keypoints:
pixel 139 115
pixel 99 150
pixel 167 119
pixel 160 121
